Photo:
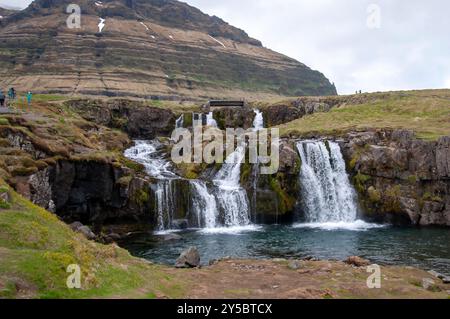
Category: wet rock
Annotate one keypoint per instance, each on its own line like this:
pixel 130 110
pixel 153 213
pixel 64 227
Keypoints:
pixel 357 261
pixel 113 237
pixel 213 262
pixel 445 279
pixel 75 225
pixel 190 258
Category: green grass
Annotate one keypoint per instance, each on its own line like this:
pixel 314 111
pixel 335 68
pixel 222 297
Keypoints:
pixel 425 112
pixel 36 248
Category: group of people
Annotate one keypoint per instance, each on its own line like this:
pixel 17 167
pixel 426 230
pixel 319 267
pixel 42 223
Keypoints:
pixel 12 95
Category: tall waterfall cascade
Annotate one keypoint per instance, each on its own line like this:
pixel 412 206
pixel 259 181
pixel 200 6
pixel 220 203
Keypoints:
pixel 327 195
pixel 232 198
pixel 222 203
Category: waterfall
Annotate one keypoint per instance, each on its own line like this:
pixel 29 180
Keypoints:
pixel 258 122
pixel 232 198
pixel 327 194
pixel 180 122
pixel 224 204
pixel 204 205
pixel 149 154
pixel 210 121
pixel 164 204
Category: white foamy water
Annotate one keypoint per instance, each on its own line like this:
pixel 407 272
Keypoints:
pixel 232 230
pixel 148 153
pixel 357 225
pixel 258 122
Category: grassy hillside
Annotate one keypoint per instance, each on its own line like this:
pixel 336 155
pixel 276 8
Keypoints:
pixel 36 248
pixel 426 112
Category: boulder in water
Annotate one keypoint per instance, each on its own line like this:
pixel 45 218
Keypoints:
pixel 357 261
pixel 190 258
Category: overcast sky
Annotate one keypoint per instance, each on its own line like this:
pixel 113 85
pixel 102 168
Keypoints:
pixel 369 45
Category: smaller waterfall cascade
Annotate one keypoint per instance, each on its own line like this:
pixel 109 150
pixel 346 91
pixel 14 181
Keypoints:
pixel 232 198
pixel 148 154
pixel 204 205
pixel 258 122
pixel 328 196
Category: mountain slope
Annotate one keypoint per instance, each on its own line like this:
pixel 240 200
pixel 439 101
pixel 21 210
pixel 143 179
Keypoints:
pixel 147 48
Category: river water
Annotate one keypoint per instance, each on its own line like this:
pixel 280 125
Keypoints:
pixel 424 248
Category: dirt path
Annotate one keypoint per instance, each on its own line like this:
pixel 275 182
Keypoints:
pixel 313 279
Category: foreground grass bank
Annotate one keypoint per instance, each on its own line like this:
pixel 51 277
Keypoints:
pixel 36 248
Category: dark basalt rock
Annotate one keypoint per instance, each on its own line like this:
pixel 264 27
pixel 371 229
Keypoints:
pixel 91 193
pixel 135 118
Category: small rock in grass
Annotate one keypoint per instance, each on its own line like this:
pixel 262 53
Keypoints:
pixel 294 265
pixel 428 283
pixel 82 229
pixel 279 260
pixel 357 261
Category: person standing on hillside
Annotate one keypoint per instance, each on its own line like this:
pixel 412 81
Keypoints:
pixel 2 98
pixel 12 94
pixel 29 97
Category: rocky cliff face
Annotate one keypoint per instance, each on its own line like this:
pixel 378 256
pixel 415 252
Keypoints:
pixel 147 48
pixel 91 192
pixel 134 118
pixel 400 178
